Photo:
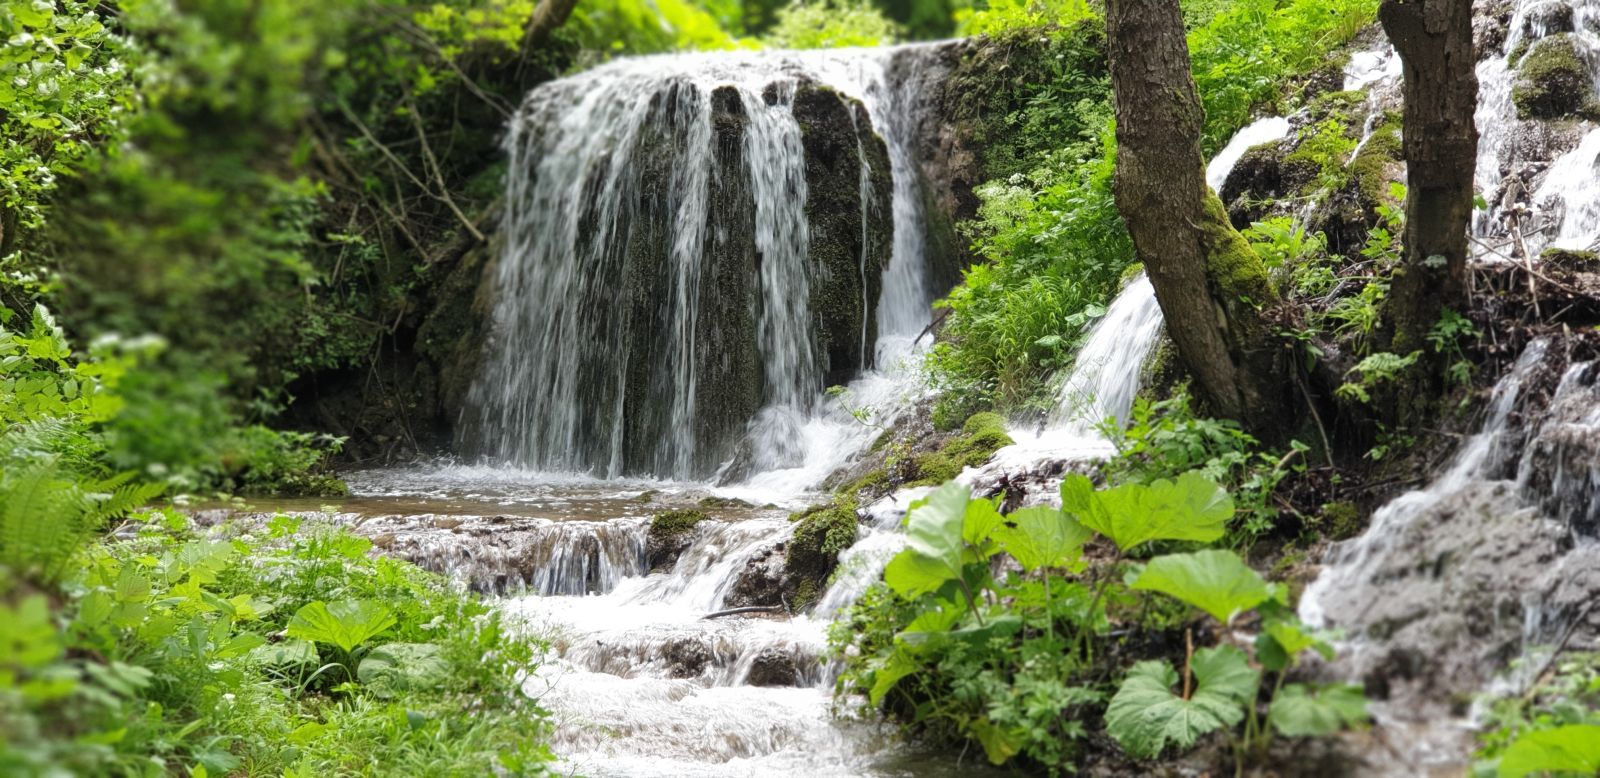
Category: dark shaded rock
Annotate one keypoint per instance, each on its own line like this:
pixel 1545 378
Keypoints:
pixel 774 667
pixel 670 534
pixel 762 582
pixel 1569 261
pixel 847 255
pixel 1553 80
pixel 686 657
pixel 1263 175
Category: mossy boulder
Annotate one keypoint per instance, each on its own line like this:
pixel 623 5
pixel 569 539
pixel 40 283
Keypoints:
pixel 1554 81
pixel 670 533
pixel 821 533
pixel 981 435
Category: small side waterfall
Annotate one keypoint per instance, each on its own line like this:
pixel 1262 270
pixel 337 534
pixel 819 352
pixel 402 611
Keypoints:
pixel 1495 558
pixel 1531 209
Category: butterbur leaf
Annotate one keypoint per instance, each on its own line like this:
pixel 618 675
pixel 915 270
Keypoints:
pixel 1571 749
pixel 932 555
pixel 998 743
pixel 1283 639
pixel 1042 537
pixel 1190 508
pixel 1315 711
pixel 885 678
pixel 1146 715
pixel 346 624
pixel 1217 582
pixel 979 521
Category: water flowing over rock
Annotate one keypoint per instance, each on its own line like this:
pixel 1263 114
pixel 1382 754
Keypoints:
pixel 1497 556
pixel 694 246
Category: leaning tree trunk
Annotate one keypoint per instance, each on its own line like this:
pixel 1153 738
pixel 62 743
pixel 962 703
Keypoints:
pixel 547 16
pixel 1207 279
pixel 1434 39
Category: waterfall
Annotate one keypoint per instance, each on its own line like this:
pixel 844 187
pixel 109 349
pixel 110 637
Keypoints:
pixel 669 292
pixel 1496 556
pixel 1562 210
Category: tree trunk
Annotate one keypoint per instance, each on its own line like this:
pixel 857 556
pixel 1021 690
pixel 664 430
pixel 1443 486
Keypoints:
pixel 1207 279
pixel 547 16
pixel 1434 39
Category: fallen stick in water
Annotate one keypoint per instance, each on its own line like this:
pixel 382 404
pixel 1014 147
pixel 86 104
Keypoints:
pixel 750 609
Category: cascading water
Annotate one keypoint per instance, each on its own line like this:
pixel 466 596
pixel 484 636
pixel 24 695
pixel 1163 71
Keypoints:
pixel 1528 213
pixel 1496 557
pixel 1105 376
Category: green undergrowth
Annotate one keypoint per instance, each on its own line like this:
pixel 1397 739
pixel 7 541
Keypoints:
pixel 287 650
pixel 1052 245
pixel 1084 630
pixel 1550 727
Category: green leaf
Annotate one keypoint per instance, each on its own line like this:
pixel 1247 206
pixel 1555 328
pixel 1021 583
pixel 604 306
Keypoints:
pixel 979 521
pixel 346 624
pixel 396 667
pixel 1145 715
pixel 1190 508
pixel 932 555
pixel 1282 641
pixel 1571 749
pixel 899 666
pixel 1042 537
pixel 1215 581
pixel 998 743
pixel 1304 711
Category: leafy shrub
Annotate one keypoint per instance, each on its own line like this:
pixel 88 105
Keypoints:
pixel 1163 439
pixel 163 657
pixel 830 24
pixel 1007 659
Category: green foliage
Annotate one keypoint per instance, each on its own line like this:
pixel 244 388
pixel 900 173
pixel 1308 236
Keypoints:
pixel 1573 749
pixel 1192 507
pixel 346 624
pixel 961 652
pixel 1380 368
pixel 997 16
pixel 1244 53
pixel 1145 716
pixel 158 655
pixel 1217 582
pixel 47 515
pixel 1300 710
pixel 1164 439
pixel 830 24
pixel 1551 726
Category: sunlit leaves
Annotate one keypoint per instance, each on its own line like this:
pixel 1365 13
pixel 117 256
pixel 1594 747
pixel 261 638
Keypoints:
pixel 1042 537
pixel 1190 508
pixel 1571 749
pixel 1215 581
pixel 1146 715
pixel 346 624
pixel 1299 710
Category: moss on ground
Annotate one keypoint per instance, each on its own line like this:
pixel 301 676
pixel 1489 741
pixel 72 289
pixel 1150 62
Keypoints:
pixel 673 524
pixel 822 532
pixel 981 435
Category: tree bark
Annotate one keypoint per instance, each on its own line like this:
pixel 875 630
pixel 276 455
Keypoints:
pixel 1434 39
pixel 547 16
pixel 1207 279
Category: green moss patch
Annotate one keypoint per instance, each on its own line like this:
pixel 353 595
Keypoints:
pixel 821 533
pixel 673 524
pixel 981 435
pixel 1553 81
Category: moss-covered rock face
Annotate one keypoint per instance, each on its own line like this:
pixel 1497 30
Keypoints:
pixel 670 533
pixel 1554 81
pixel 821 533
pixel 981 435
pixel 849 212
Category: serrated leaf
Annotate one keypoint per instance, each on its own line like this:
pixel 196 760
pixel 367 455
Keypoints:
pixel 1145 715
pixel 1215 581
pixel 1190 508
pixel 1042 537
pixel 932 555
pixel 1571 749
pixel 1304 711
pixel 979 521
pixel 346 624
